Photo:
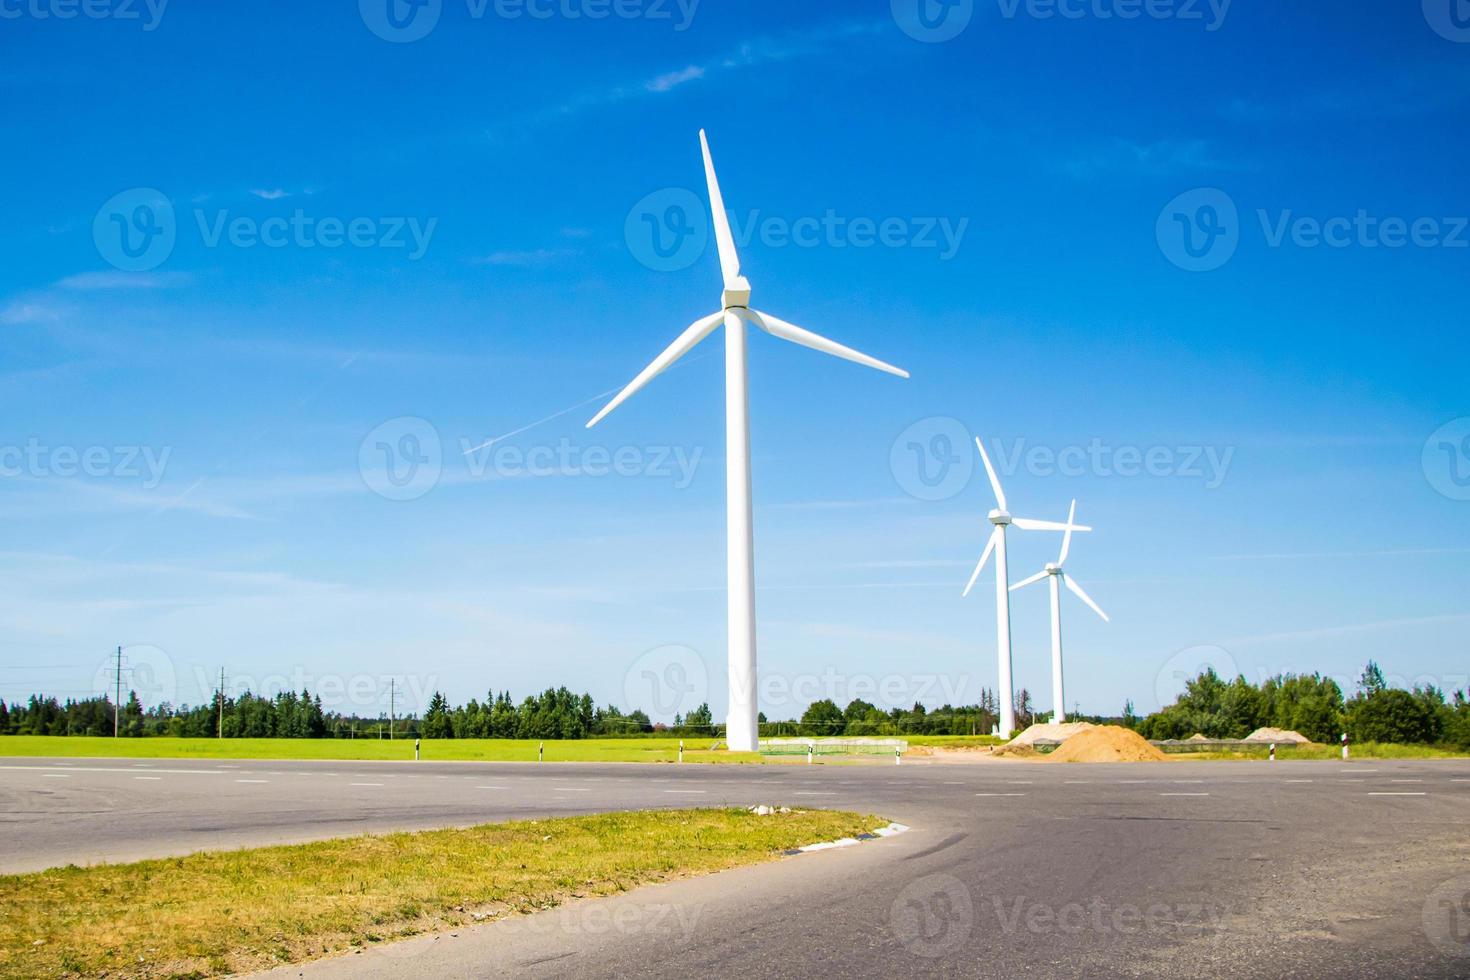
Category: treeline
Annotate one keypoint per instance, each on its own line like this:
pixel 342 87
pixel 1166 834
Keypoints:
pixel 1314 706
pixel 825 718
pixel 554 714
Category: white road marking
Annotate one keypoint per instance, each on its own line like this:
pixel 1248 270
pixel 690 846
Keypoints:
pixel 1181 782
pixel 814 794
pixel 54 775
pixel 1421 793
pixel 364 784
pixel 1357 770
pixel 1184 794
pixel 687 791
pixel 1406 780
pixel 181 772
pixel 1078 782
pixel 1296 780
pixel 570 789
pixel 490 787
pixel 1000 794
pixel 152 778
pixel 252 780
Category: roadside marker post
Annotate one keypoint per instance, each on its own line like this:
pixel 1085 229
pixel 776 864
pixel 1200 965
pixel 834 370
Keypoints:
pixel 541 752
pixel 810 749
pixel 1273 751
pixel 681 750
pixel 1344 747
pixel 416 749
pixel 897 759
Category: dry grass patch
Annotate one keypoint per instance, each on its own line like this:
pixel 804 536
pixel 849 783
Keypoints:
pixel 234 911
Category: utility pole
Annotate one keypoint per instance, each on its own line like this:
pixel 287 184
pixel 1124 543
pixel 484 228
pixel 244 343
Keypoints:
pixel 117 704
pixel 392 694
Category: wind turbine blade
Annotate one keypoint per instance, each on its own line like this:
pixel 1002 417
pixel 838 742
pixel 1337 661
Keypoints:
pixel 724 240
pixel 984 557
pixel 1000 495
pixel 1030 581
pixel 685 342
pixel 1067 538
pixel 1027 524
pixel 777 327
pixel 1077 591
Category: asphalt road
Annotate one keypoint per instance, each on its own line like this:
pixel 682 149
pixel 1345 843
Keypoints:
pixel 1181 869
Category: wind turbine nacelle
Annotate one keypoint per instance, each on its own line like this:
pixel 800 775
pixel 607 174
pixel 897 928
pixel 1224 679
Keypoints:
pixel 737 293
pixel 1000 517
pixel 1052 568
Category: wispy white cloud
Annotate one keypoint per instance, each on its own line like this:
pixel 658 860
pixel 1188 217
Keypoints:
pixel 18 313
pixel 87 281
pixel 531 259
pixel 1159 158
pixel 274 194
pixel 672 80
pixel 1335 632
pixel 752 53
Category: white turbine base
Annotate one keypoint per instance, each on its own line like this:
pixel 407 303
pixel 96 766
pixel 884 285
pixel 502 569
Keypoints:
pixel 741 730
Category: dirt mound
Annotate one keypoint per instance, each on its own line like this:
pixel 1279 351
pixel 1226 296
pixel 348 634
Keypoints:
pixel 1017 750
pixel 1280 736
pixel 1055 733
pixel 1107 743
pixel 1197 737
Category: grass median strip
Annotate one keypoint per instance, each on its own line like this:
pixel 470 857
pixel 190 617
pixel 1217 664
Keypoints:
pixel 234 911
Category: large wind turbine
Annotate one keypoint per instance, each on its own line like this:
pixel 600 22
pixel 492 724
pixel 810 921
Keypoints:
pixel 1053 570
pixel 741 732
pixel 1002 519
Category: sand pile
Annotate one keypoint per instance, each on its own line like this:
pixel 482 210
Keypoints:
pixel 1280 736
pixel 1017 750
pixel 1197 737
pixel 1055 733
pixel 1107 743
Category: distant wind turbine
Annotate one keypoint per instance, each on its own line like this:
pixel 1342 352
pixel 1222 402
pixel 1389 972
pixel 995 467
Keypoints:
pixel 1059 577
pixel 741 733
pixel 1002 519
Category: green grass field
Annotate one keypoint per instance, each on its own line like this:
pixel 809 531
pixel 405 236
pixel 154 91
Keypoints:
pixel 371 749
pixel 236 911
pixel 1365 750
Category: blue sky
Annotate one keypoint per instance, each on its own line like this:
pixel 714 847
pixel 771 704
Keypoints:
pixel 196 435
